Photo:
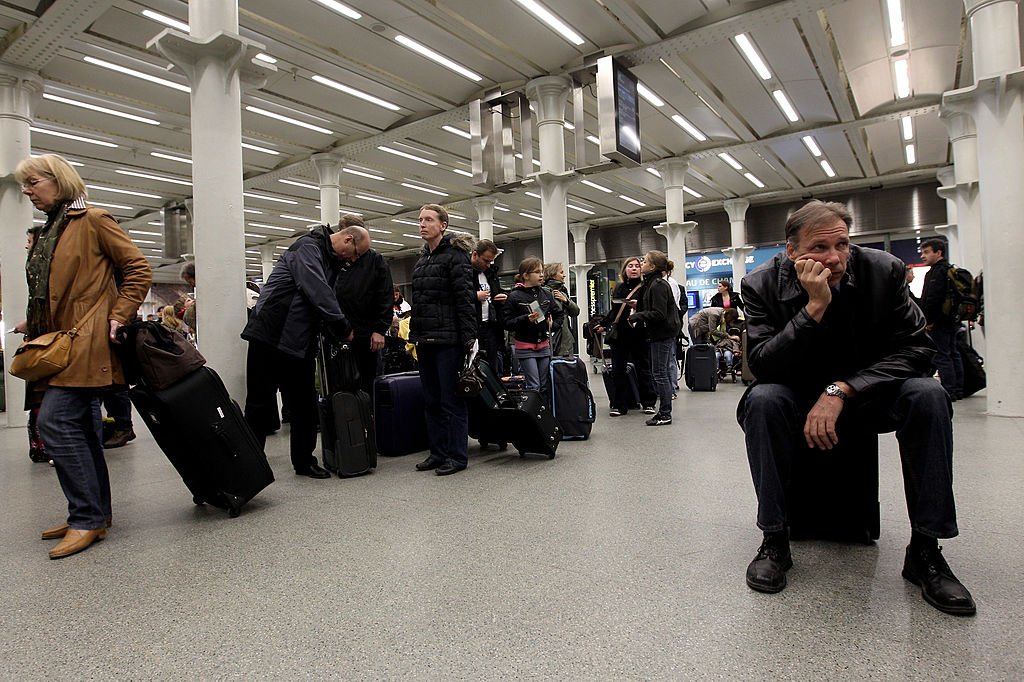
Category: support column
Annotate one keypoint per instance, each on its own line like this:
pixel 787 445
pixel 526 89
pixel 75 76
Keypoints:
pixel 485 216
pixel 267 260
pixel 19 90
pixel 675 235
pixel 580 269
pixel 328 169
pixel 738 252
pixel 995 104
pixel 549 95
pixel 951 230
pixel 964 139
pixel 215 59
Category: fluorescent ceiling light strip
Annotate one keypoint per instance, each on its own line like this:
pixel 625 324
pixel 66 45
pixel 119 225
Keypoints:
pixel 753 58
pixel 897 33
pixel 731 161
pixel 341 9
pixel 811 145
pixel 296 183
pixel 502 208
pixel 568 126
pixel 901 68
pixel 827 167
pixel 457 131
pixel 69 136
pixel 115 190
pixel 102 110
pixel 253 235
pixel 631 200
pixel 907 124
pixel 753 179
pixel 593 138
pixel 171 157
pixel 144 241
pixel 363 174
pixel 532 194
pixel 690 129
pixel 456 216
pixel 411 236
pixel 158 178
pixel 378 230
pixel 272 152
pixel 148 234
pixel 159 223
pixel 300 218
pixel 406 155
pixel 166 20
pixel 428 190
pixel 252 210
pixel 530 215
pixel 119 207
pixel 381 241
pixel 653 171
pixel 403 221
pixel 265 226
pixel 379 200
pixel 365 96
pixel 580 209
pixel 269 198
pixel 263 57
pixel 692 193
pixel 288 119
pixel 649 95
pixel 785 105
pixel 137 74
pixel 462 172
pixel 602 188
pixel 911 154
pixel 545 15
pixel 437 57
pixel 500 226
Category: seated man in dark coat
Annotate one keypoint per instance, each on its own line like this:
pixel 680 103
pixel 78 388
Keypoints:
pixel 831 328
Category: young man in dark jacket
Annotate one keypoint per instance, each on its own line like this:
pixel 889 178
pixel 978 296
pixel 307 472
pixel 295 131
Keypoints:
pixel 942 324
pixel 364 291
pixel 297 300
pixel 490 304
pixel 832 335
pixel 443 327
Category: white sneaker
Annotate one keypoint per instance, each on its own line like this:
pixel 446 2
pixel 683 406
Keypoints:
pixel 650 410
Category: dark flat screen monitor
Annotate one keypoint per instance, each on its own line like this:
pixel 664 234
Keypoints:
pixel 693 300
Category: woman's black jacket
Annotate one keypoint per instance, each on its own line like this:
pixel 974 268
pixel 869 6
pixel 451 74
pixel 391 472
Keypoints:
pixel 517 312
pixel 658 310
pixel 734 301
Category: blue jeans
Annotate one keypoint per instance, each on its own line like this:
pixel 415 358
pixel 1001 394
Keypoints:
pixel 71 427
pixel 447 416
pixel 663 355
pixel 918 410
pixel 947 360
pixel 535 368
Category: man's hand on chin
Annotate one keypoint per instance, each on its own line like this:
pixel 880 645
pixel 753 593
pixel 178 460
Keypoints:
pixel 813 277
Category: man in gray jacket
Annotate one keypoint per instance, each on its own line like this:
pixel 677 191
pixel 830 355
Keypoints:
pixel 297 300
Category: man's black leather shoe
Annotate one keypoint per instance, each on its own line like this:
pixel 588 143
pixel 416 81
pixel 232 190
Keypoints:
pixel 448 468
pixel 767 572
pixel 314 471
pixel 429 463
pixel 927 568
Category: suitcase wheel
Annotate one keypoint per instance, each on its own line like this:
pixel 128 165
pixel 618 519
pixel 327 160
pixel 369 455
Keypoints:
pixel 198 500
pixel 551 456
pixel 234 512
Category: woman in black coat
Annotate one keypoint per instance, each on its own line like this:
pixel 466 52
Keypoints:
pixel 726 297
pixel 630 346
pixel 659 315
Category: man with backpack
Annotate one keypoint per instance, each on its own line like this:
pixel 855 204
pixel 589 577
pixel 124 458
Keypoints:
pixel 940 302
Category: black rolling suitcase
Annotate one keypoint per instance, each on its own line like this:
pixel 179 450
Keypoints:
pixel 572 403
pixel 608 375
pixel 974 366
pixel 347 435
pixel 700 368
pixel 398 414
pixel 518 417
pixel 833 494
pixel 204 435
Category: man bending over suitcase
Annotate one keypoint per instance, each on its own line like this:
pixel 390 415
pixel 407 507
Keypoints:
pixel 283 331
pixel 832 331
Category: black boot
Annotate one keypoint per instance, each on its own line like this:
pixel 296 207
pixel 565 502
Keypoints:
pixel 767 572
pixel 926 567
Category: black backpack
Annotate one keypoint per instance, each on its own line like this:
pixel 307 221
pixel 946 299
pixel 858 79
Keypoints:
pixel 962 299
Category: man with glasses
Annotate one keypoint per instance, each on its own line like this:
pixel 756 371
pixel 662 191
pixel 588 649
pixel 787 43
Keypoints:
pixel 490 298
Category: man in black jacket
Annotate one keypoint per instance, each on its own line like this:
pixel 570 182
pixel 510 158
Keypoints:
pixel 364 291
pixel 297 300
pixel 832 332
pixel 490 298
pixel 942 323
pixel 443 327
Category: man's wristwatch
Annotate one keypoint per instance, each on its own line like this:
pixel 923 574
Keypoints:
pixel 834 390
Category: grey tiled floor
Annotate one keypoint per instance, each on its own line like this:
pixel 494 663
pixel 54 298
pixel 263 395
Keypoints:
pixel 622 558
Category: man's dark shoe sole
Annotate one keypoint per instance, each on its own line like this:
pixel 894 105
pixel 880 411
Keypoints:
pixel 314 474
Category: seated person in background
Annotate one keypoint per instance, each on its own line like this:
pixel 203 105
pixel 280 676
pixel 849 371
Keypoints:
pixel 726 297
pixel 728 342
pixel 831 330
pixel 401 307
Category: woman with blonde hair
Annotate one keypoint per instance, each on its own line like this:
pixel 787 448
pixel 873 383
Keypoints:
pixel 170 320
pixel 70 272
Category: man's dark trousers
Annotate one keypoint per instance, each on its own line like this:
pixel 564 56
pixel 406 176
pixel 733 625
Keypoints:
pixel 366 362
pixel 947 360
pixel 447 416
pixel 267 370
pixel 492 342
pixel 918 410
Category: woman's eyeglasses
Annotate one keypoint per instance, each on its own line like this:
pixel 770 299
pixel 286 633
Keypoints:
pixel 32 183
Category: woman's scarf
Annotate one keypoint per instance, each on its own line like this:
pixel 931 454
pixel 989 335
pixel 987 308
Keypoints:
pixel 37 270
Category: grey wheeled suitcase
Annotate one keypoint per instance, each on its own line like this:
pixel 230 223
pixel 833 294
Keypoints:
pixel 347 435
pixel 700 368
pixel 204 435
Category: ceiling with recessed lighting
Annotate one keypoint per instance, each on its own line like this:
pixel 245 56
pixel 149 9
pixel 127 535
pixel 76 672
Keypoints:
pixel 767 100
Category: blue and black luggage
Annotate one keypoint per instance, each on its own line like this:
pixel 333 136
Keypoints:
pixel 700 368
pixel 522 418
pixel 572 402
pixel 399 414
